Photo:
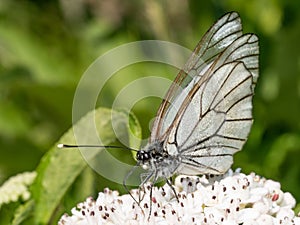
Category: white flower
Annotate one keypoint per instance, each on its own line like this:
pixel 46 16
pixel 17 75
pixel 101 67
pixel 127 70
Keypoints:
pixel 15 188
pixel 234 198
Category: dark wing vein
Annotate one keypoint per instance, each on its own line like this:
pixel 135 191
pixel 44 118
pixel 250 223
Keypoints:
pixel 213 146
pixel 191 162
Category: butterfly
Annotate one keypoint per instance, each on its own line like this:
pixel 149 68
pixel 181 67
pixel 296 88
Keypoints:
pixel 206 115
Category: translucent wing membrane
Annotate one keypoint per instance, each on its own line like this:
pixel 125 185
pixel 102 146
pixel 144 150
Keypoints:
pixel 225 31
pixel 207 113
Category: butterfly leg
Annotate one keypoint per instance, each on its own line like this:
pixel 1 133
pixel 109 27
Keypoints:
pixel 151 198
pixel 169 182
pixel 126 178
pixel 145 177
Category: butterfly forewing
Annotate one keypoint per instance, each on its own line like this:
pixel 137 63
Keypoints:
pixel 220 35
pixel 244 49
pixel 226 30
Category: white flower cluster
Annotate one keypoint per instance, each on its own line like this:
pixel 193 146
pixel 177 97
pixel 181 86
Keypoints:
pixel 16 187
pixel 234 198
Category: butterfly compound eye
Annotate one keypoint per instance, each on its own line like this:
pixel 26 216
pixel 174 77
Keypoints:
pixel 139 156
pixel 142 156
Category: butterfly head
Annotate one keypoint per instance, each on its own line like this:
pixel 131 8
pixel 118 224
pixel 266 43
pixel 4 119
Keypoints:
pixel 150 154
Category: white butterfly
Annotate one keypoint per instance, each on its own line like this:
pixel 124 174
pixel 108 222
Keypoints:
pixel 206 114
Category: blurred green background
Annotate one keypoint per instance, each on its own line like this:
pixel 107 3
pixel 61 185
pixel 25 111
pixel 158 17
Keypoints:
pixel 45 47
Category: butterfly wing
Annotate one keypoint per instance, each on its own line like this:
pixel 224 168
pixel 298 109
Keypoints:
pixel 207 115
pixel 215 116
pixel 225 31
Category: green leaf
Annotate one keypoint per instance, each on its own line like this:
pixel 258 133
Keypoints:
pixel 59 168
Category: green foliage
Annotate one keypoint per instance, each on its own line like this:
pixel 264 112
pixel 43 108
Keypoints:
pixel 45 47
pixel 59 168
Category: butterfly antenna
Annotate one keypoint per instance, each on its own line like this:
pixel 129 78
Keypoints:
pixel 95 146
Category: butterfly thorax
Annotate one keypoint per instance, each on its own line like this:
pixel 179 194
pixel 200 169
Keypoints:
pixel 155 158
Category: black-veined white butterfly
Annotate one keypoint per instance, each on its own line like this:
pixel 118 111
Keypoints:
pixel 206 114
